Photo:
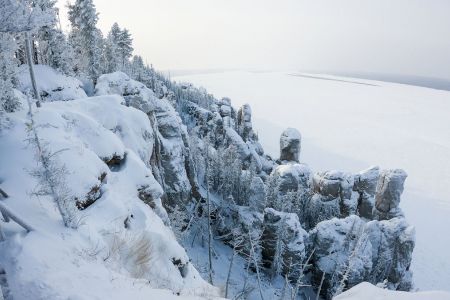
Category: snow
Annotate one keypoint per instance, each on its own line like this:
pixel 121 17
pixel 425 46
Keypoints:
pixel 290 134
pixel 353 125
pixel 52 85
pixel 121 248
pixel 368 291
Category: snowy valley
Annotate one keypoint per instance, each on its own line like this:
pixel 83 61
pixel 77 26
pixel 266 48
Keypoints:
pixel 117 182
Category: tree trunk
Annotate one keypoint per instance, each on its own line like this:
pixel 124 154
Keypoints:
pixel 209 216
pixel 29 56
pixel 229 273
pixel 2 234
pixel 320 286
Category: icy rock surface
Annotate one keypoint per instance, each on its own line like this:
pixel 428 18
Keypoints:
pixel 290 145
pixel 257 200
pixel 283 237
pixel 244 122
pixel 365 185
pixel 227 112
pixel 334 197
pixel 293 177
pixel 389 189
pixel 169 158
pixel 349 251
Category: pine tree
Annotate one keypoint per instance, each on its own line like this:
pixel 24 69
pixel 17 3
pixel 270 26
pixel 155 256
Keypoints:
pixel 112 59
pixel 273 187
pixel 125 49
pixel 280 247
pixel 86 38
pixel 55 51
pixel 118 49
pixel 52 46
pixel 138 70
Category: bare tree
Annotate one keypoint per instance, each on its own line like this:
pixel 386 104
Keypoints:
pixel 29 56
pixel 208 203
pixel 253 242
pixel 320 286
pixel 238 241
pixel 301 275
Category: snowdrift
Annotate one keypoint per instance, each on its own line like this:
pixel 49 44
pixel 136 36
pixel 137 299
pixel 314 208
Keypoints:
pixel 368 291
pixel 53 86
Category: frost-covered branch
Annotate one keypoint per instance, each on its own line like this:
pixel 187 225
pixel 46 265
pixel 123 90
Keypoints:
pixel 9 214
pixel 51 175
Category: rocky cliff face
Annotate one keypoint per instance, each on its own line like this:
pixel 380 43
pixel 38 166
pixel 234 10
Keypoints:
pixel 348 228
pixel 170 159
pixel 350 225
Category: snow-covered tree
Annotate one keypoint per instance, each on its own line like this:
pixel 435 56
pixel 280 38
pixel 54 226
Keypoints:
pixel 273 187
pixel 8 101
pixel 86 38
pixel 57 52
pixel 125 47
pixel 138 70
pixel 111 54
pixel 230 167
pixel 52 46
pixel 25 17
pixel 278 260
pixel 118 50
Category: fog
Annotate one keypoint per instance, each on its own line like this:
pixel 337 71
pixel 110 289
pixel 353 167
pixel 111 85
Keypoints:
pixel 408 37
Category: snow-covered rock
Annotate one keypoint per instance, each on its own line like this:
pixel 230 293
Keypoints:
pixel 227 112
pixel 257 200
pixel 244 122
pixel 290 145
pixel 339 248
pixel 169 158
pixel 121 244
pixel 333 197
pixel 285 240
pixel 365 185
pixel 392 243
pixel 349 251
pixel 293 177
pixel 389 189
pixel 52 85
pixel 369 291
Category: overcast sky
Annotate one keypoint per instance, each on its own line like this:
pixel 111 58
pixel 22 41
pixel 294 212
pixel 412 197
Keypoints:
pixel 410 37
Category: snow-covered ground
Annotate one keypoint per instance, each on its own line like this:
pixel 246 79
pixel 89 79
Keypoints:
pixel 351 124
pixel 368 291
pixel 121 248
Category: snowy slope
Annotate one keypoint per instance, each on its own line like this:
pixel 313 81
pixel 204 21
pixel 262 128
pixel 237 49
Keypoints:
pixel 351 124
pixel 53 86
pixel 121 248
pixel 368 291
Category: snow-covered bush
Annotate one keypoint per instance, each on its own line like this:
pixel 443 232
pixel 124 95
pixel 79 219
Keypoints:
pixel 52 85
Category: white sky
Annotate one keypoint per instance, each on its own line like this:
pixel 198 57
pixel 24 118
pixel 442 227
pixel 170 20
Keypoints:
pixel 410 37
